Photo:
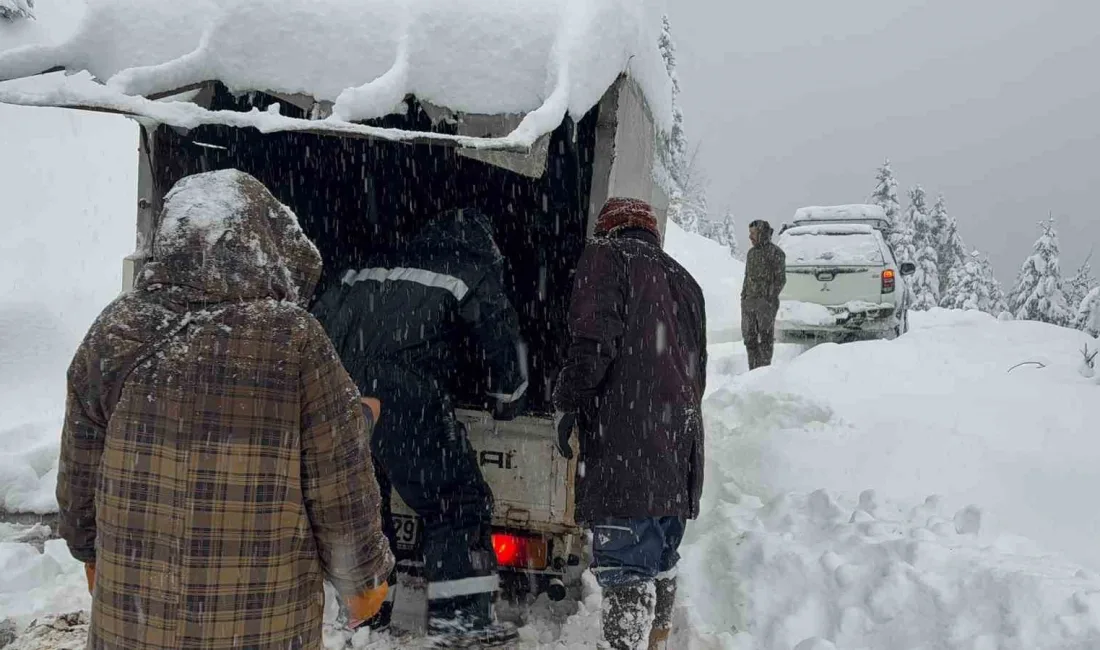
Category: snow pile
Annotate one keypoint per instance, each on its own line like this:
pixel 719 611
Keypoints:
pixel 719 275
pixel 815 571
pixel 839 213
pixel 61 632
pixel 53 21
pixel 542 58
pixel 805 313
pixel 67 188
pixel 39 583
pixel 936 411
pixel 832 245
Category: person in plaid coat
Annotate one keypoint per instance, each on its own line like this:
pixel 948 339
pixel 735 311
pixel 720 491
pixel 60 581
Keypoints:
pixel 215 467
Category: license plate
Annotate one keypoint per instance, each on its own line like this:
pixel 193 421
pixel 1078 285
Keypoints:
pixel 407 532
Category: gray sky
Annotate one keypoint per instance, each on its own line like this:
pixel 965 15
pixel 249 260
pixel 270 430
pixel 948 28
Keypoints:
pixel 995 103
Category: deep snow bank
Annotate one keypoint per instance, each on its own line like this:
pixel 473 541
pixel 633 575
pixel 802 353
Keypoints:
pixel 935 412
pixel 68 184
pixel 817 572
pixel 37 583
pixel 718 273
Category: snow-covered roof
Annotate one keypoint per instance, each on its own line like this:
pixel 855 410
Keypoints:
pixel 831 229
pixel 839 213
pixel 845 244
pixel 542 59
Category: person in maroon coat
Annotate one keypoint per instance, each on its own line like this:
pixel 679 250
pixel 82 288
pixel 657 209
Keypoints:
pixel 632 387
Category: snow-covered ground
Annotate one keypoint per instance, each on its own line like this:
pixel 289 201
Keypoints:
pixel 818 530
pixel 67 211
pixel 905 494
pixel 719 275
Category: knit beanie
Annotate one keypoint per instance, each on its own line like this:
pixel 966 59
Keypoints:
pixel 624 214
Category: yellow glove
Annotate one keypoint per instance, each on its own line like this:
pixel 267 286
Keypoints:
pixel 364 606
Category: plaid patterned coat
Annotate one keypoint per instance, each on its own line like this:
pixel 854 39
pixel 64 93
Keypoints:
pixel 214 460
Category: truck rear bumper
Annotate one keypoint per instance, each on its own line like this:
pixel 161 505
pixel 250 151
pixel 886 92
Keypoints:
pixel 533 488
pixel 878 322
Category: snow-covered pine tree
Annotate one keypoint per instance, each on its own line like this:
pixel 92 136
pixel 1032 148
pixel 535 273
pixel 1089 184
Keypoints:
pixel 1039 294
pixel 677 141
pixel 925 283
pixel 16 9
pixel 967 288
pixel 693 185
pixel 950 249
pixel 1080 284
pixel 686 188
pixel 728 227
pixel 1088 313
pixel 886 195
pixel 998 301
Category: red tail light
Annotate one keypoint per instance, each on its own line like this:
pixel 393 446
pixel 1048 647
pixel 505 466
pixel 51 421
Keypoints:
pixel 888 281
pixel 520 552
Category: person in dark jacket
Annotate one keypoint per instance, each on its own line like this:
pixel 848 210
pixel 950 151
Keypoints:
pixel 765 277
pixel 633 385
pixel 397 325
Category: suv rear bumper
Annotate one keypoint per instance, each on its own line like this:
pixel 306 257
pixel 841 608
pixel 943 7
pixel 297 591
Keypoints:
pixel 871 321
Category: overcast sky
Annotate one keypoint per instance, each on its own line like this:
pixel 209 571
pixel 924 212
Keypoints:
pixel 995 103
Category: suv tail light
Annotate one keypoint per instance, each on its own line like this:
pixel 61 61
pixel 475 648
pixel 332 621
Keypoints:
pixel 520 552
pixel 889 279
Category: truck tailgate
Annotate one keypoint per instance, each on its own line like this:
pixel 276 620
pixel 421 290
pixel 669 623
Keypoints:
pixel 833 285
pixel 532 483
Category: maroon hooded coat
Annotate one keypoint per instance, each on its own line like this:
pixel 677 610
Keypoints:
pixel 635 374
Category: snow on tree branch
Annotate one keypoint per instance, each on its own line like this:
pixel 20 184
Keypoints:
pixel 1088 313
pixel 681 176
pixel 12 10
pixel 1081 284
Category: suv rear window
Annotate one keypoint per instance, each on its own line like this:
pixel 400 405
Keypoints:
pixel 820 246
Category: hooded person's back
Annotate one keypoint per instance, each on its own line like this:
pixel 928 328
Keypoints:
pixel 423 298
pixel 398 324
pixel 214 463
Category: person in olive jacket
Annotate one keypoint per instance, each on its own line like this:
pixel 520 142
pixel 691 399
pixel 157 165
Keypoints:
pixel 632 386
pixel 765 277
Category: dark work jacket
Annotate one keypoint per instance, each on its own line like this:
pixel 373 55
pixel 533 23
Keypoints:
pixel 765 273
pixel 398 322
pixel 636 373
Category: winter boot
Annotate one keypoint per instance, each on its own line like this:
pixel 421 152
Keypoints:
pixel 662 614
pixel 467 622
pixel 628 615
pixel 491 636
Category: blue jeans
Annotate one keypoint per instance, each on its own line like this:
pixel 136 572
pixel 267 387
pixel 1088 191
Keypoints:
pixel 629 551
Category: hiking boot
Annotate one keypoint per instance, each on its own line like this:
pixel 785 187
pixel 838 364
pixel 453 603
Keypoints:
pixel 628 615
pixel 467 622
pixel 662 614
pixel 490 636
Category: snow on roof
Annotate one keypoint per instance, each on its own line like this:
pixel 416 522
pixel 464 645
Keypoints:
pixel 52 21
pixel 831 229
pixel 539 58
pixel 845 244
pixel 839 212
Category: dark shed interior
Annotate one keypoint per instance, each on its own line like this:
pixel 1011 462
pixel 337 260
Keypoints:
pixel 353 196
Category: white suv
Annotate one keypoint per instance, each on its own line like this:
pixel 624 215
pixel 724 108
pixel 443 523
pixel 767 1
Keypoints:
pixel 843 282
